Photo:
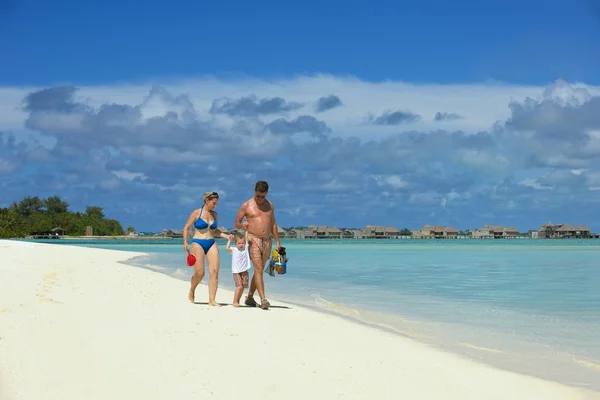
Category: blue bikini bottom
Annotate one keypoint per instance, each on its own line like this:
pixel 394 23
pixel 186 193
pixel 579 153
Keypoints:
pixel 206 244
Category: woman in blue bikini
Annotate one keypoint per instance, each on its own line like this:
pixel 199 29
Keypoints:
pixel 205 221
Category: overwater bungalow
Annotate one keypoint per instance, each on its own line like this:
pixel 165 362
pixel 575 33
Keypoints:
pixel 563 231
pixel 347 234
pixel 319 232
pixel 172 233
pixel 380 232
pixel 306 233
pixel 495 232
pixel 436 232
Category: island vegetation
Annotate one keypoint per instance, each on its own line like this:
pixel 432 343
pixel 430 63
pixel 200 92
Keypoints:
pixel 34 215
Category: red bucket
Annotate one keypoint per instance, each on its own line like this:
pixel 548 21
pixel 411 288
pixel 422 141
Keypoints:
pixel 191 259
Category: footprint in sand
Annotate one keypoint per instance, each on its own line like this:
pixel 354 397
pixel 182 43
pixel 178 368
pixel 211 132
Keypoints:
pixel 49 281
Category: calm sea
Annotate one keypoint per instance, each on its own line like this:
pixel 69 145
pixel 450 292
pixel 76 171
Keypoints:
pixel 530 306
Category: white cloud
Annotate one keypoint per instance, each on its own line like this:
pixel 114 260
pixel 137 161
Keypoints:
pixel 567 94
pixel 154 145
pixel 7 166
pixel 109 184
pixel 425 198
pixel 395 181
pixel 335 185
pixel 187 200
pixel 533 183
pixel 128 175
pixel 164 154
pixel 480 104
pixel 454 196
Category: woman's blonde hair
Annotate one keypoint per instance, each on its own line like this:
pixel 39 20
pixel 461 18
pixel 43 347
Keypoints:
pixel 210 195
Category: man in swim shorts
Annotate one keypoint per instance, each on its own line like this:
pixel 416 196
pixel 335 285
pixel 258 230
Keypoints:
pixel 260 224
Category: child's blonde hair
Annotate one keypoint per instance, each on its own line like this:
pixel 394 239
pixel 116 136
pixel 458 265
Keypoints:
pixel 238 236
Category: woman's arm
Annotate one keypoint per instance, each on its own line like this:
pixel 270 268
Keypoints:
pixel 186 229
pixel 217 232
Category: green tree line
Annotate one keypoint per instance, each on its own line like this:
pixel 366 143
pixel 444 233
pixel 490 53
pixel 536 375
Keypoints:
pixel 34 215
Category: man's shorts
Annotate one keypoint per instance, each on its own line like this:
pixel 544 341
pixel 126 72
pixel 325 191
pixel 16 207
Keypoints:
pixel 241 279
pixel 259 248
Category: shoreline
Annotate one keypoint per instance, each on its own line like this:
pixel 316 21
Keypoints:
pixel 475 343
pixel 368 239
pixel 314 352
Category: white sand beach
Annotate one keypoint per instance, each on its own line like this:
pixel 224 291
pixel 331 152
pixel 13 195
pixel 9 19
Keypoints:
pixel 76 324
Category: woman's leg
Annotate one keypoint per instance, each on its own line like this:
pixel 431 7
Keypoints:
pixel 214 261
pixel 198 270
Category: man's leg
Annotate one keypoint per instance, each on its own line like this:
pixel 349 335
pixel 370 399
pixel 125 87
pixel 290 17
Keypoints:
pixel 250 302
pixel 254 252
pixel 260 283
pixel 257 279
pixel 252 284
pixel 260 286
pixel 260 250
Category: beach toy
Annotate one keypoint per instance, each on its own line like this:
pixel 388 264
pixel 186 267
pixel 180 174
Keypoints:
pixel 278 262
pixel 191 259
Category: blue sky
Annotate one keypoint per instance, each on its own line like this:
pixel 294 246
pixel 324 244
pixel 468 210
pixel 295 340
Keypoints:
pixel 142 106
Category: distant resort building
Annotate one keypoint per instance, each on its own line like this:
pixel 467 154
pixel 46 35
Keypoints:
pixel 333 232
pixel 435 232
pixel 171 233
pixel 329 232
pixel 563 231
pixel 547 231
pixel 380 232
pixel 317 232
pixel 495 232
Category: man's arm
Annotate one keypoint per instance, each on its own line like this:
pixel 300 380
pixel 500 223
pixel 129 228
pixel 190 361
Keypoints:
pixel 240 216
pixel 274 229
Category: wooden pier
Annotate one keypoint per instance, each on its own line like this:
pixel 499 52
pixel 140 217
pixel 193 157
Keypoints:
pixel 44 236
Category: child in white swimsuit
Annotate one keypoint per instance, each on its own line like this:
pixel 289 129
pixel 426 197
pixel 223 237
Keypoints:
pixel 240 264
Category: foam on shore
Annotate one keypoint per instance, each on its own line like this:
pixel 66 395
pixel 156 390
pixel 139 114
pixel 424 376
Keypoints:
pixel 77 323
pixel 482 344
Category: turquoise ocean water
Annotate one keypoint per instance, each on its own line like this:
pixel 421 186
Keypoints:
pixel 529 306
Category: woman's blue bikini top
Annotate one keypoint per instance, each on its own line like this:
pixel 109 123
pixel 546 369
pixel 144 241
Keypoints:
pixel 202 224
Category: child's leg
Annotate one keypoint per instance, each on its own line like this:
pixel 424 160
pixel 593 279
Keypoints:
pixel 237 295
pixel 239 289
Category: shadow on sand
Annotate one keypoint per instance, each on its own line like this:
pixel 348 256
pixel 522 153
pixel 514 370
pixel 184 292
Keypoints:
pixel 203 303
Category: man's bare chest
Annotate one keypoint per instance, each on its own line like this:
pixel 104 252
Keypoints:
pixel 256 212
